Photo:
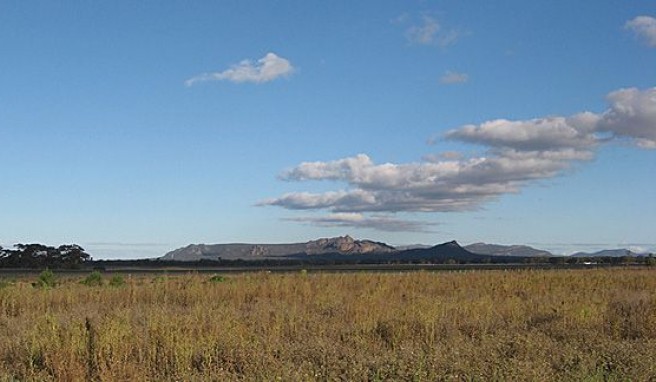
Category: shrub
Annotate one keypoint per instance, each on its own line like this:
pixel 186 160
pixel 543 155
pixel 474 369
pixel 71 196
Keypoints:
pixel 94 279
pixel 116 281
pixel 217 279
pixel 159 279
pixel 46 280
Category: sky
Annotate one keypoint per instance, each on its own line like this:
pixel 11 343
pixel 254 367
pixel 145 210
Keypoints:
pixel 134 128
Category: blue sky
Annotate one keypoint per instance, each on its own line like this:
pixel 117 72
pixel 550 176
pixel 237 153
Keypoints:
pixel 133 128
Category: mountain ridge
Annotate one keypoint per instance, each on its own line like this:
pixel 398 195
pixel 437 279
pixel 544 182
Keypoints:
pixel 344 245
pixel 507 250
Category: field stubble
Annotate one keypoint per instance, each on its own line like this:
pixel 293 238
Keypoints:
pixel 478 325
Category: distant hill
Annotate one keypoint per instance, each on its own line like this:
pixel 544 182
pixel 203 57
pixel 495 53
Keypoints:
pixel 609 253
pixel 506 250
pixel 441 252
pixel 344 245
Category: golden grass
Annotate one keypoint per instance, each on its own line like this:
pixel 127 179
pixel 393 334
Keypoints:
pixel 593 325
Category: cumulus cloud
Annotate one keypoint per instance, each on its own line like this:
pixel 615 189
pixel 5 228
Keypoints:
pixel 428 31
pixel 552 133
pixel 266 69
pixel 517 153
pixel 348 200
pixel 644 27
pixel 439 186
pixel 632 114
pixel 356 220
pixel 450 78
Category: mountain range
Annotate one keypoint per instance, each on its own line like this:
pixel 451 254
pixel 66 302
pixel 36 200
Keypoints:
pixel 347 248
pixel 343 245
pixel 343 248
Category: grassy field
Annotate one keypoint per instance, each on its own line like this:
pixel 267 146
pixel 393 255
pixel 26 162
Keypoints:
pixel 578 325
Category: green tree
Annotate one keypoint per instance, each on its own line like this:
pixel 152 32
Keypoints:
pixel 42 256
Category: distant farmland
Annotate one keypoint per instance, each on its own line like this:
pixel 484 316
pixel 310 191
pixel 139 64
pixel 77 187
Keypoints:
pixel 595 324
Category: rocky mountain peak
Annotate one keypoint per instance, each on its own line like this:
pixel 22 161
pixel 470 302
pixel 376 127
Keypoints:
pixel 452 243
pixel 346 245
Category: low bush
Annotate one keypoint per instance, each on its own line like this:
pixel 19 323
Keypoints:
pixel 217 279
pixel 94 279
pixel 46 280
pixel 116 281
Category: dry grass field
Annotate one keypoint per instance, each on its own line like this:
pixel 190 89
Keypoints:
pixel 576 325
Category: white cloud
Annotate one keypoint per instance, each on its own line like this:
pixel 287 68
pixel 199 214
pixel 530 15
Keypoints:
pixel 266 69
pixel 644 28
pixel 428 31
pixel 424 33
pixel 535 134
pixel 350 200
pixel 518 153
pixel 450 78
pixel 438 186
pixel 632 114
pixel 356 220
pixel 447 38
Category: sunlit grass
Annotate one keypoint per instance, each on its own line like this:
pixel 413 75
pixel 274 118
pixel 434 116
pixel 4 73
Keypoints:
pixel 478 325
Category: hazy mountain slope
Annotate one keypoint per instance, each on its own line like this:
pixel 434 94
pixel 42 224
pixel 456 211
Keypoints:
pixel 506 250
pixel 608 253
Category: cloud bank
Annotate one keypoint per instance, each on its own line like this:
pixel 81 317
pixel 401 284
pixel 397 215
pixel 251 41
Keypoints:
pixel 644 27
pixel 267 68
pixel 517 153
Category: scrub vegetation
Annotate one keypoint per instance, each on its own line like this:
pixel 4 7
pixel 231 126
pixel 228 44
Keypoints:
pixel 576 325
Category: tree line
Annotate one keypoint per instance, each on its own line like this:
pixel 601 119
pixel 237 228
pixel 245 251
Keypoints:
pixel 67 256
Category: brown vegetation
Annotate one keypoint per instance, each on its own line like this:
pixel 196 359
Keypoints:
pixel 482 325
